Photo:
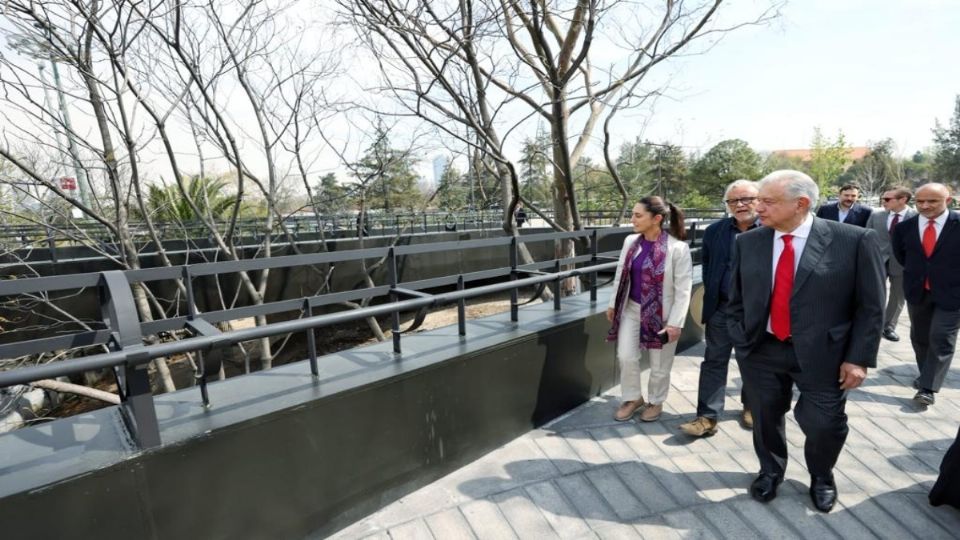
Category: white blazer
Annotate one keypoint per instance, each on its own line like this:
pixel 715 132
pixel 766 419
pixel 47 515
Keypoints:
pixel 677 279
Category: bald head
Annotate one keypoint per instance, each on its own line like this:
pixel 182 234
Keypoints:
pixel 932 199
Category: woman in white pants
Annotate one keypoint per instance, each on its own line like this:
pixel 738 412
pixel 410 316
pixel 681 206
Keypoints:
pixel 649 304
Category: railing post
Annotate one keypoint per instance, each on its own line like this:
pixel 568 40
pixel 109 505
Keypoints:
pixel 311 340
pixel 514 307
pixel 51 245
pixel 556 285
pixel 461 309
pixel 119 312
pixel 394 297
pixel 594 240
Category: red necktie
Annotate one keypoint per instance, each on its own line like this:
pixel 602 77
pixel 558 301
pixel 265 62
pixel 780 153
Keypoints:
pixel 782 287
pixel 893 223
pixel 929 241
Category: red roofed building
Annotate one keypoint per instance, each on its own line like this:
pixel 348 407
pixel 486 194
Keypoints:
pixel 806 154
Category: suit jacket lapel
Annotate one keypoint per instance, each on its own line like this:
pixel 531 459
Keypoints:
pixel 816 246
pixel 949 229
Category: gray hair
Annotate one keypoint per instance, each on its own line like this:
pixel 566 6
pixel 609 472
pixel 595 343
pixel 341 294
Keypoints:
pixel 795 183
pixel 739 183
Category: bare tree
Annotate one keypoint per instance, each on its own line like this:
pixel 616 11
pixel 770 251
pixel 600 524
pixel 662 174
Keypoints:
pixel 136 76
pixel 481 70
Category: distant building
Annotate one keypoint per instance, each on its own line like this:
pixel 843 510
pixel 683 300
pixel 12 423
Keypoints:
pixel 806 154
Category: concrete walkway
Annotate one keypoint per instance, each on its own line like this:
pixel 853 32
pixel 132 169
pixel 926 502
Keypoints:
pixel 587 476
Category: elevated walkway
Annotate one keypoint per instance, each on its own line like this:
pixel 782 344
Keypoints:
pixel 587 476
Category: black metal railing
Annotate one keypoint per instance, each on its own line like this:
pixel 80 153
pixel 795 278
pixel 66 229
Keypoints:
pixel 130 351
pixel 299 227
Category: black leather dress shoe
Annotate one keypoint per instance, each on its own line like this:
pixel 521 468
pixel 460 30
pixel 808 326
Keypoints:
pixel 764 488
pixel 891 335
pixel 823 492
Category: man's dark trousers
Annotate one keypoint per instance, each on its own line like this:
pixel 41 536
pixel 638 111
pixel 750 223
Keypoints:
pixel 934 325
pixel 769 373
pixel 713 370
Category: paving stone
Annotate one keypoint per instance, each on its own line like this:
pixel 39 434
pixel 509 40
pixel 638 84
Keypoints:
pixel 729 471
pixel 798 512
pixel 862 477
pixel 617 531
pixel 762 518
pixel 449 524
pixel 586 447
pixel 412 530
pixel 945 516
pixel 523 515
pixel 666 440
pixel 655 528
pixel 558 512
pixel 689 525
pixel 899 431
pixel 864 432
pixel 727 522
pixel 708 484
pixel 609 440
pixel 644 485
pixel 615 493
pixel 917 522
pixel 556 448
pixel 880 466
pixel 873 516
pixel 676 483
pixel 486 520
pixel 845 521
pixel 588 503
pixel 645 448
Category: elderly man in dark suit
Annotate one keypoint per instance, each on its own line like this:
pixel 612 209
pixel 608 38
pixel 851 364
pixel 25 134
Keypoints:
pixel 847 209
pixel 806 309
pixel 928 247
pixel 894 211
pixel 740 198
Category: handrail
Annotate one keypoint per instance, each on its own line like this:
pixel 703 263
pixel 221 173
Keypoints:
pixel 124 332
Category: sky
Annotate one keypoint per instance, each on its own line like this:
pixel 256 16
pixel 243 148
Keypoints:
pixel 873 69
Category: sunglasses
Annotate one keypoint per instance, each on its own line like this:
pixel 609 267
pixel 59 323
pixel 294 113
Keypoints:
pixel 741 200
pixel 888 199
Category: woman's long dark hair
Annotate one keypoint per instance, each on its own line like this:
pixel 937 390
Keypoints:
pixel 656 206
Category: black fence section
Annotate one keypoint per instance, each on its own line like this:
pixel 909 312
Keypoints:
pixel 125 336
pixel 20 237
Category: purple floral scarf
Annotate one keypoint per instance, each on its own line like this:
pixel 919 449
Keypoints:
pixel 651 293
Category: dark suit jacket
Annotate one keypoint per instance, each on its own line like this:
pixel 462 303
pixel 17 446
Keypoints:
pixel 858 214
pixel 836 308
pixel 714 259
pixel 943 267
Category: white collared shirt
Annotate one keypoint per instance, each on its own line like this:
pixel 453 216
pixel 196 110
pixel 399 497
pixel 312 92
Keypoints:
pixel 800 235
pixel 842 214
pixel 938 223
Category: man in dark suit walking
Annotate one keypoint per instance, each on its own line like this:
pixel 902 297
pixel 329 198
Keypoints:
pixel 847 209
pixel 806 308
pixel 894 211
pixel 928 247
pixel 740 198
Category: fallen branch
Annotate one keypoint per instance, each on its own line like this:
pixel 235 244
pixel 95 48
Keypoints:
pixel 80 390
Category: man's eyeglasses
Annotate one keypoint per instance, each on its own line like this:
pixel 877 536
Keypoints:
pixel 742 200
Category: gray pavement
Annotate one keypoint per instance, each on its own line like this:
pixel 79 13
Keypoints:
pixel 586 476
